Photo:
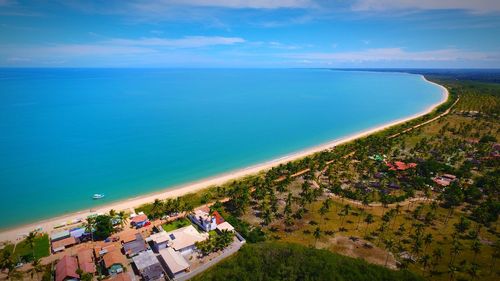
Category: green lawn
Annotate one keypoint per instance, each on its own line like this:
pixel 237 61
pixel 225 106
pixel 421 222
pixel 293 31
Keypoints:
pixel 176 224
pixel 23 253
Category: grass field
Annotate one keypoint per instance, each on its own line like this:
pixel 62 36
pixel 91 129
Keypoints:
pixel 176 224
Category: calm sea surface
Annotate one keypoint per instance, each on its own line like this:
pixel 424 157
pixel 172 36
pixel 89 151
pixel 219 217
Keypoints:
pixel 66 134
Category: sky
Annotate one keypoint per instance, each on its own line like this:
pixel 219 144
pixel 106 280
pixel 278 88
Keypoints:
pixel 250 34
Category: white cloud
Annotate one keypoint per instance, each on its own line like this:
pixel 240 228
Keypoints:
pixel 232 4
pixel 396 54
pixel 185 42
pixel 479 6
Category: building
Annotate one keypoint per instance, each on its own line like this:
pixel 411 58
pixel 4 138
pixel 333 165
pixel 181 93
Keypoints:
pixel 445 179
pixel 86 261
pixel 66 269
pixel 112 258
pixel 60 245
pixel 139 221
pixel 225 226
pixel 183 239
pixel 136 246
pixel 120 277
pixel 148 266
pixel 400 166
pixel 203 219
pixel 174 262
pixel 56 236
pixel 159 240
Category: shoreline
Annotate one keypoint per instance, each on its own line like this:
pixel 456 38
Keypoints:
pixel 16 233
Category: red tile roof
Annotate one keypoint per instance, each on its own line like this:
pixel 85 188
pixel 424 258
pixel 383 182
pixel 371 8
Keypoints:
pixel 218 218
pixel 86 261
pixel 139 218
pixel 121 277
pixel 114 257
pixel 66 267
pixel 400 166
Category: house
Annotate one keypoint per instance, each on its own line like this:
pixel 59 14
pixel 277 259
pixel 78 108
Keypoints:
pixel 136 246
pixel 59 235
pixel 400 166
pixel 127 235
pixel 159 240
pixel 219 219
pixel 174 262
pixel 60 245
pixel 139 221
pixel 66 269
pixel 86 260
pixel 225 226
pixel 183 239
pixel 112 258
pixel 77 232
pixel 445 179
pixel 203 219
pixel 120 277
pixel 148 266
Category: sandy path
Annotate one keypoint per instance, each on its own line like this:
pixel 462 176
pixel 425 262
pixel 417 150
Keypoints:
pixel 48 225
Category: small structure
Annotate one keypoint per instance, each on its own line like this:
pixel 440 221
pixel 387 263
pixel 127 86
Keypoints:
pixel 400 166
pixel 445 179
pixel 203 219
pixel 77 232
pixel 127 236
pixel 183 239
pixel 113 259
pixel 219 219
pixel 60 245
pixel 86 260
pixel 136 246
pixel 139 221
pixel 56 236
pixel 160 240
pixel 225 226
pixel 148 266
pixel 174 262
pixel 66 269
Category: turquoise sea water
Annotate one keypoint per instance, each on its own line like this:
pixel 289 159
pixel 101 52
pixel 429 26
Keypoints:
pixel 66 134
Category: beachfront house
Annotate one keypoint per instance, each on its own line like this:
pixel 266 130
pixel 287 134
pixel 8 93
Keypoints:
pixel 139 220
pixel 66 269
pixel 174 263
pixel 60 245
pixel 148 266
pixel 135 246
pixel 203 219
pixel 225 226
pixel 112 258
pixel 183 239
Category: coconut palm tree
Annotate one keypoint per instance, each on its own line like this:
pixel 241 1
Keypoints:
pixel 389 245
pixel 368 220
pixel 89 227
pixel 36 268
pixel 123 218
pixel 476 248
pixel 317 235
pixel 425 260
pixel 31 241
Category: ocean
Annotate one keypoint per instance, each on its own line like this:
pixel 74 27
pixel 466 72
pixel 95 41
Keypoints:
pixel 66 134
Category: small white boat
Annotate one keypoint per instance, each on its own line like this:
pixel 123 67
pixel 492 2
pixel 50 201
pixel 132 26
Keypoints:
pixel 97 196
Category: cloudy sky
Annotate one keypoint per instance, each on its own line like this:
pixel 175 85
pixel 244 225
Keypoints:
pixel 244 33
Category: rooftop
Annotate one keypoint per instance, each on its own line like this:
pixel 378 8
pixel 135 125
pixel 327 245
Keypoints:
pixel 225 226
pixel 114 257
pixel 174 260
pixel 134 247
pixel 85 260
pixel 145 259
pixel 185 237
pixel 66 267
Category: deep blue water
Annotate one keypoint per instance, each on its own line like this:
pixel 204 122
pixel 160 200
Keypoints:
pixel 66 134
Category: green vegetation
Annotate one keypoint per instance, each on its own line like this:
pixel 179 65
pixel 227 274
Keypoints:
pixel 216 242
pixel 176 224
pixel 284 261
pixel 25 250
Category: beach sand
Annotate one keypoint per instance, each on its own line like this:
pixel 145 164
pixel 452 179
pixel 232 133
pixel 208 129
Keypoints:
pixel 17 233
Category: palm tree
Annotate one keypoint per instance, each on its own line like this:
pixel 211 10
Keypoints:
pixel 495 255
pixel 344 213
pixel 157 207
pixel 437 255
pixel 89 227
pixel 368 220
pixel 476 248
pixel 31 241
pixel 123 218
pixel 452 270
pixel 427 240
pixel 317 235
pixel 389 244
pixel 36 268
pixel 473 270
pixel 112 213
pixel 425 260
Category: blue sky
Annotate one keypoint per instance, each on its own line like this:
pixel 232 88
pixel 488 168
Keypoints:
pixel 259 33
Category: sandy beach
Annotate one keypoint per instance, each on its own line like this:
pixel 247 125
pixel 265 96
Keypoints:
pixel 49 225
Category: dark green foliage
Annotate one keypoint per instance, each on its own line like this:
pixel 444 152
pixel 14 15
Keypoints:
pixel 284 261
pixel 103 227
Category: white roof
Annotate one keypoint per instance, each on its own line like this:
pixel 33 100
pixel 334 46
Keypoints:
pixel 174 260
pixel 159 237
pixel 185 237
pixel 225 226
pixel 145 259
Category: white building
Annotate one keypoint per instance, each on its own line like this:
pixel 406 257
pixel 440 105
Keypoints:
pixel 183 239
pixel 174 262
pixel 160 240
pixel 204 220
